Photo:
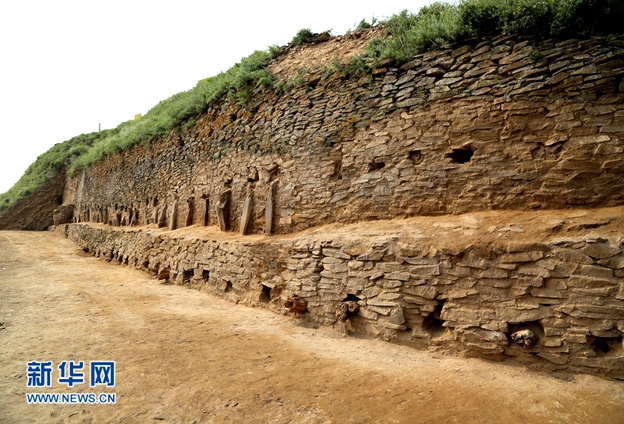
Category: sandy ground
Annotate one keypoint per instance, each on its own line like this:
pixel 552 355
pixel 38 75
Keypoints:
pixel 185 357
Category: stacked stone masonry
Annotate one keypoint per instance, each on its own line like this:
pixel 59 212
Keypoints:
pixel 569 291
pixel 490 126
pixel 499 125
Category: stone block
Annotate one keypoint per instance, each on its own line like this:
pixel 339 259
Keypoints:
pixel 574 256
pixel 594 271
pixel 335 253
pixel 582 281
pixel 559 359
pixel 513 316
pixel 373 255
pixel 494 273
pixel 397 275
pixel 545 292
pixel 424 271
pixel 522 257
pixel 600 250
pixel 426 292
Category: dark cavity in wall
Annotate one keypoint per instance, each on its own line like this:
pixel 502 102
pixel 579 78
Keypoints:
pixel 337 173
pixel 461 155
pixel 206 274
pixel 433 324
pixel 265 294
pixel 274 173
pixel 415 156
pixel 228 287
pixel 375 165
pixel 186 278
pixel 607 346
pixel 351 297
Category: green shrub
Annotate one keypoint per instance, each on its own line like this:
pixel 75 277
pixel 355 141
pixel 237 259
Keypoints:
pixel 480 18
pixel 571 18
pixel 442 23
pixel 356 67
pixel 365 25
pixel 541 18
pixel 411 34
pixel 303 36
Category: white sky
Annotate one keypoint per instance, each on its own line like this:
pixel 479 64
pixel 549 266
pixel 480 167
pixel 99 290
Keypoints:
pixel 66 66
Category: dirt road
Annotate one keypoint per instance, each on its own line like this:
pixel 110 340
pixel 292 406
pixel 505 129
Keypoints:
pixel 183 356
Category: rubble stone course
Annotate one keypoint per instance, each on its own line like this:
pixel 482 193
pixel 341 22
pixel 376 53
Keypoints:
pixel 455 130
pixel 499 125
pixel 568 290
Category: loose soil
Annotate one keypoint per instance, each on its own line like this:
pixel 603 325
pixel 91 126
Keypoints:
pixel 183 356
pixel 317 56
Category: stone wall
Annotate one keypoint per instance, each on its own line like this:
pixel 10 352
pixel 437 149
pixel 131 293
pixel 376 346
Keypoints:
pixel 497 125
pixel 454 296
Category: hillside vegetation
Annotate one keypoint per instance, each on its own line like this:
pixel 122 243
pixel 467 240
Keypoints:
pixel 406 34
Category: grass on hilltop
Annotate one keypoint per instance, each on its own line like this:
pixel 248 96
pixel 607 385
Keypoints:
pixel 406 34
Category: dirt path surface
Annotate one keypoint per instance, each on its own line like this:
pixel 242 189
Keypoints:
pixel 183 356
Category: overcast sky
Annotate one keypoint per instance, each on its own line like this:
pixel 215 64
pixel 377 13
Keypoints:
pixel 67 66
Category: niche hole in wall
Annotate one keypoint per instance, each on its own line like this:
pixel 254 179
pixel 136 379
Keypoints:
pixel 433 324
pixel 206 274
pixel 186 277
pixel 607 346
pixel 228 287
pixel 265 294
pixel 535 326
pixel 351 297
pixel 415 156
pixel 337 173
pixel 163 274
pixel 375 165
pixel 273 173
pixel 461 155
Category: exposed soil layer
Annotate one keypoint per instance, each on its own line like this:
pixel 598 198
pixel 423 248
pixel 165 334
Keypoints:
pixel 317 56
pixel 185 356
pixel 35 211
